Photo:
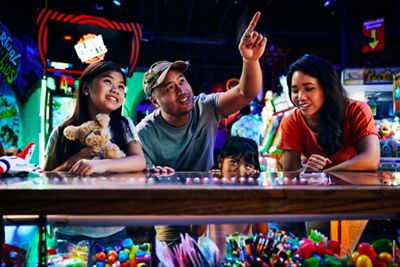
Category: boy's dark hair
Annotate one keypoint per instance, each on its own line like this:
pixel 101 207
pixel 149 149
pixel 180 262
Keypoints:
pixel 333 110
pixel 240 147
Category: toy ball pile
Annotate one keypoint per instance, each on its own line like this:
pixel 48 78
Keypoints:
pixel 279 249
pixel 125 254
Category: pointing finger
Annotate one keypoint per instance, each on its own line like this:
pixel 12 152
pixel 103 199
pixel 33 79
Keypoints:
pixel 252 24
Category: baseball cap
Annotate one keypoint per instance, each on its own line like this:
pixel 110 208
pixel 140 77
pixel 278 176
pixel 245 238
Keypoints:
pixel 157 72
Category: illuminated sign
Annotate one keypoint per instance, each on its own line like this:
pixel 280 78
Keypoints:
pixel 375 29
pixel 91 48
pixel 59 33
pixel 9 55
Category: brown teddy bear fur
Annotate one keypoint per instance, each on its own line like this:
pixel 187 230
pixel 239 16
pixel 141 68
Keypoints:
pixel 95 133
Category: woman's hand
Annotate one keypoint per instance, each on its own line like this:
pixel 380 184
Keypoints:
pixel 316 163
pixel 88 166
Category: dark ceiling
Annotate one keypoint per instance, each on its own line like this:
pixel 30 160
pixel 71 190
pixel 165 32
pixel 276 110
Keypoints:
pixel 206 32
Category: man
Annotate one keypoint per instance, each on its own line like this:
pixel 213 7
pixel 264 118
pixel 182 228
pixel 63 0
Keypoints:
pixel 181 132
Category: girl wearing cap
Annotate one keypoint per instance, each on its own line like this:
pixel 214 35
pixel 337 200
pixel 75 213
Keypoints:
pixel 332 131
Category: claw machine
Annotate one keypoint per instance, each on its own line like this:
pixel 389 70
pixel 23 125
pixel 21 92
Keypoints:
pixel 377 87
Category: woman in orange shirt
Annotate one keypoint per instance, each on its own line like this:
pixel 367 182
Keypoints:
pixel 330 130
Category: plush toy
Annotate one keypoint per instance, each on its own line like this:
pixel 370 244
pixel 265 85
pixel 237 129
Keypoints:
pixel 95 133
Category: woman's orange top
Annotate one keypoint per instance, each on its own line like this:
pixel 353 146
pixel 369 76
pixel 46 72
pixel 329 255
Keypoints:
pixel 297 136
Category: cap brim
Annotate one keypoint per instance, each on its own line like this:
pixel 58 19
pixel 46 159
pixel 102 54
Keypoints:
pixel 178 65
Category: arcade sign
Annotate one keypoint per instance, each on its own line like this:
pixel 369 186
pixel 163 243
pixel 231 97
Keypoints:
pixel 375 29
pixel 9 55
pixel 91 48
pixel 61 36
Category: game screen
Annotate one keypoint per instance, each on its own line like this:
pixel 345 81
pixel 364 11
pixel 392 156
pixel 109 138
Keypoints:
pixel 62 108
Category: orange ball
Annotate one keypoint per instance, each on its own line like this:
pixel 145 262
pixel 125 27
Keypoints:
pixel 386 257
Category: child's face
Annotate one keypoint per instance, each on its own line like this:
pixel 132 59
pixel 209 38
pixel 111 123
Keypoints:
pixel 236 167
pixel 106 92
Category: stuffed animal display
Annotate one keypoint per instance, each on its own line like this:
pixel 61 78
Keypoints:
pixel 95 133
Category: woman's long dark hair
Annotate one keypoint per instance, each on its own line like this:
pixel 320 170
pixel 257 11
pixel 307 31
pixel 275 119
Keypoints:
pixel 333 110
pixel 240 147
pixel 64 148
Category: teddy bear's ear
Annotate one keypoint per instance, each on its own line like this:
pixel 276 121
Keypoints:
pixel 71 132
pixel 103 119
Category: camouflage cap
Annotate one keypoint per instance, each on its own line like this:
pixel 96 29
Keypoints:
pixel 157 72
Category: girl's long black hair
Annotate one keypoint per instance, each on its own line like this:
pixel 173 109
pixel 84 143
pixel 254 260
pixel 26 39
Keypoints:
pixel 64 148
pixel 333 110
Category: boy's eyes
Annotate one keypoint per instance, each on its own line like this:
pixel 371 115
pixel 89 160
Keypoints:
pixel 236 162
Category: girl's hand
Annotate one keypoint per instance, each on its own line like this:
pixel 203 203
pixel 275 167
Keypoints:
pixel 84 153
pixel 317 163
pixel 86 167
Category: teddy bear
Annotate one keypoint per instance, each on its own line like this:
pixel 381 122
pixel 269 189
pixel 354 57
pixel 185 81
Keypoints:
pixel 95 133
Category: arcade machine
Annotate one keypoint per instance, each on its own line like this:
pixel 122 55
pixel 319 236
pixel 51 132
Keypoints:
pixel 20 70
pixel 275 108
pixel 378 88
pixel 67 44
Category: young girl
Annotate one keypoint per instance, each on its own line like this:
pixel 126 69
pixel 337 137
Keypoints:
pixel 238 158
pixel 101 90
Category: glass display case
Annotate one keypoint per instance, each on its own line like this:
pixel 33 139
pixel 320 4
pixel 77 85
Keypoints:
pixel 137 199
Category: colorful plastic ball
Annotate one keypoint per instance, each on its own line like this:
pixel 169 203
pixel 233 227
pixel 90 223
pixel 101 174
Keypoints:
pixel 354 256
pixel 127 243
pixel 111 258
pixel 386 257
pixel 366 249
pixel 100 256
pixel 363 261
pixel 123 256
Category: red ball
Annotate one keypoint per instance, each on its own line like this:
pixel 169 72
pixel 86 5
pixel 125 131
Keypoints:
pixel 334 246
pixel 100 256
pixel 367 250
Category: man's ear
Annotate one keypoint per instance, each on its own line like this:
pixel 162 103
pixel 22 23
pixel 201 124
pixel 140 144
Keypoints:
pixel 153 100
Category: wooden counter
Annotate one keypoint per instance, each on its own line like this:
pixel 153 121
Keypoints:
pixel 197 195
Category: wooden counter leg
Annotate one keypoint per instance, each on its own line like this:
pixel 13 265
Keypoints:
pixel 347 233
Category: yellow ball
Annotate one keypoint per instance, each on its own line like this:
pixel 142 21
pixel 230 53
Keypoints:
pixel 363 261
pixel 354 256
